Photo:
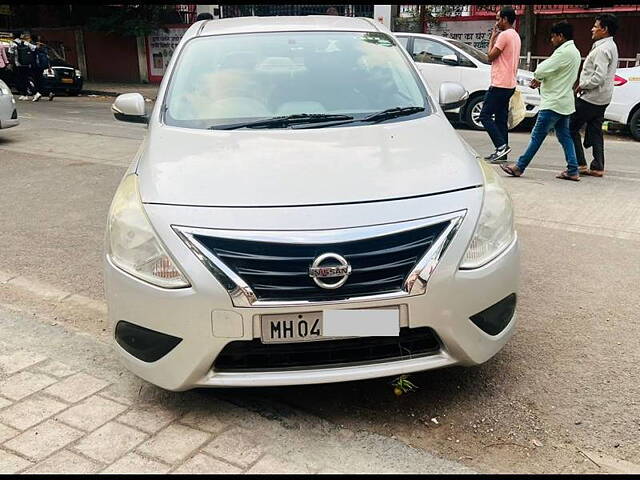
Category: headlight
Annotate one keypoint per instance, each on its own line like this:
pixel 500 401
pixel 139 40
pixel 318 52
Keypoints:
pixel 78 73
pixel 132 245
pixel 4 90
pixel 494 231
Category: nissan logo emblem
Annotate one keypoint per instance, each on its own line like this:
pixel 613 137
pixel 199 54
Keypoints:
pixel 330 265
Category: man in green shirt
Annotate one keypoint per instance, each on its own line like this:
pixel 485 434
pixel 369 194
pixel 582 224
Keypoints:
pixel 555 77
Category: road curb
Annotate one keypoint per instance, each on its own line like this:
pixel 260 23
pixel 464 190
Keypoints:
pixel 109 93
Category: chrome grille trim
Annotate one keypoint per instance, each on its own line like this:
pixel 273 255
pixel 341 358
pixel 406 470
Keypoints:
pixel 242 294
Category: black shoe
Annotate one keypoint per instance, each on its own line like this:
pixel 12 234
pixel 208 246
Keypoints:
pixel 500 155
pixel 51 95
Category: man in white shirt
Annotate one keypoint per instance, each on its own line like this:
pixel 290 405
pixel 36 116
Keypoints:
pixel 595 89
pixel 21 51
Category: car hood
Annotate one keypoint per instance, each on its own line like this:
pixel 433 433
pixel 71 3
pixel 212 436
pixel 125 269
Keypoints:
pixel 253 168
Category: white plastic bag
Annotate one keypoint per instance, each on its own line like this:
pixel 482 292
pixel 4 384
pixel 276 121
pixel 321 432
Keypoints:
pixel 516 110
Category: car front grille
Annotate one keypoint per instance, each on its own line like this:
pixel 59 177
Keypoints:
pixel 64 72
pixel 256 356
pixel 280 271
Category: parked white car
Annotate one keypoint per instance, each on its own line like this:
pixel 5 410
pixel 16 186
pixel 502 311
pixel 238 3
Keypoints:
pixel 625 103
pixel 441 59
pixel 301 211
pixel 8 111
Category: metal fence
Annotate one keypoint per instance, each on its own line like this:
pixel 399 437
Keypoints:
pixel 261 10
pixel 530 62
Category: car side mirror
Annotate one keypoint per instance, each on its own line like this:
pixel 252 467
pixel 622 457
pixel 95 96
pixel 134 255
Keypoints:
pixel 452 95
pixel 129 107
pixel 450 60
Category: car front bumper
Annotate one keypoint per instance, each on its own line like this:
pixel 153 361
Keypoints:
pixel 451 298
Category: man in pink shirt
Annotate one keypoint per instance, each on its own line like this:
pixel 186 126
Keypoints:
pixel 504 54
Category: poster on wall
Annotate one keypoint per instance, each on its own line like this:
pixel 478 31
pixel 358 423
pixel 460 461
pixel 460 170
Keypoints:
pixel 473 32
pixel 160 47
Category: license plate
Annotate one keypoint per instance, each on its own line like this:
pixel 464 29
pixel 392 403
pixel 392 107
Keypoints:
pixel 67 80
pixel 329 324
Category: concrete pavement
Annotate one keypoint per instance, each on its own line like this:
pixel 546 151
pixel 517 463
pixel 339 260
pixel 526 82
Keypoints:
pixel 565 381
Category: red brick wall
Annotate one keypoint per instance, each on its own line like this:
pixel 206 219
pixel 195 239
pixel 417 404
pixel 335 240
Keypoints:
pixel 111 58
pixel 627 38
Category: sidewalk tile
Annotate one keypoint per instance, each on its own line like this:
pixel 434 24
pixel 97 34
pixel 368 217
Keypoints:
pixel 109 442
pixel 134 463
pixel 271 464
pixel 42 440
pixel 75 388
pixel 12 362
pixel 10 463
pixel 205 464
pixel 91 413
pixel 174 443
pixel 55 368
pixel 7 432
pixel 149 418
pixel 65 462
pixel 235 446
pixel 24 384
pixel 28 412
pixel 203 420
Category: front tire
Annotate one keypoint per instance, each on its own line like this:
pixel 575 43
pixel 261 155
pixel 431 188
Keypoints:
pixel 472 112
pixel 634 125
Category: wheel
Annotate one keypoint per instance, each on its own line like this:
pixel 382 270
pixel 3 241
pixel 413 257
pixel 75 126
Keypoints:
pixel 472 112
pixel 634 125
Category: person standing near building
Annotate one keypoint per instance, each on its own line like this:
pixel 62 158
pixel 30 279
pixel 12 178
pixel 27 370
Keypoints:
pixel 504 55
pixel 595 90
pixel 23 54
pixel 42 63
pixel 555 77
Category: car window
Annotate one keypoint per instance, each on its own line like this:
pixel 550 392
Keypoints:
pixel 403 41
pixel 472 51
pixel 243 77
pixel 428 51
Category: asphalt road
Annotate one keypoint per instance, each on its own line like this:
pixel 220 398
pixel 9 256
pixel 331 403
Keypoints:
pixel 563 394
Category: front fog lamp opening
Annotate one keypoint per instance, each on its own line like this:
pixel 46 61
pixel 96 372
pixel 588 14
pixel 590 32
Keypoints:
pixel 133 245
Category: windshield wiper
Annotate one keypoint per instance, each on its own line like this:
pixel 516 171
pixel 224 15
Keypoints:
pixel 392 113
pixel 284 121
pixel 379 116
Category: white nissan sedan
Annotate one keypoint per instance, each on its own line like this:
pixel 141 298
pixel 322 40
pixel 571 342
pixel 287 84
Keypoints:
pixel 301 212
pixel 8 111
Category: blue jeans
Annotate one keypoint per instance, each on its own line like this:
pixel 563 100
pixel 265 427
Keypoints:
pixel 496 103
pixel 548 119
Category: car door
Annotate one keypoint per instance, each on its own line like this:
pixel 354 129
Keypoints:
pixel 428 55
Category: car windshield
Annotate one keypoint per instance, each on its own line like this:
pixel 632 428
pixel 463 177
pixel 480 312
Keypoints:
pixel 230 79
pixel 472 51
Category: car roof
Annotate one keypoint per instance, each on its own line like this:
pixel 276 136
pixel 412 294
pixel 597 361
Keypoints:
pixel 287 24
pixel 423 35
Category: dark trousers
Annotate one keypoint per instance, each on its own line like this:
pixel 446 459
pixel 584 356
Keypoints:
pixel 22 75
pixel 593 116
pixel 496 104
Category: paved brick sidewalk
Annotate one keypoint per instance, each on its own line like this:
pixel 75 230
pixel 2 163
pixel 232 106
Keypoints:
pixel 67 406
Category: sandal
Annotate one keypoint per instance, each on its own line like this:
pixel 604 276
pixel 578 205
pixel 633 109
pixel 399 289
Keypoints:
pixel 511 170
pixel 565 176
pixel 593 173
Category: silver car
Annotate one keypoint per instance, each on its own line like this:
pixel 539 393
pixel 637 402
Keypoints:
pixel 8 111
pixel 300 212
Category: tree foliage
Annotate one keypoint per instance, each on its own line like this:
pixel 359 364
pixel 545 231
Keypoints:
pixel 135 20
